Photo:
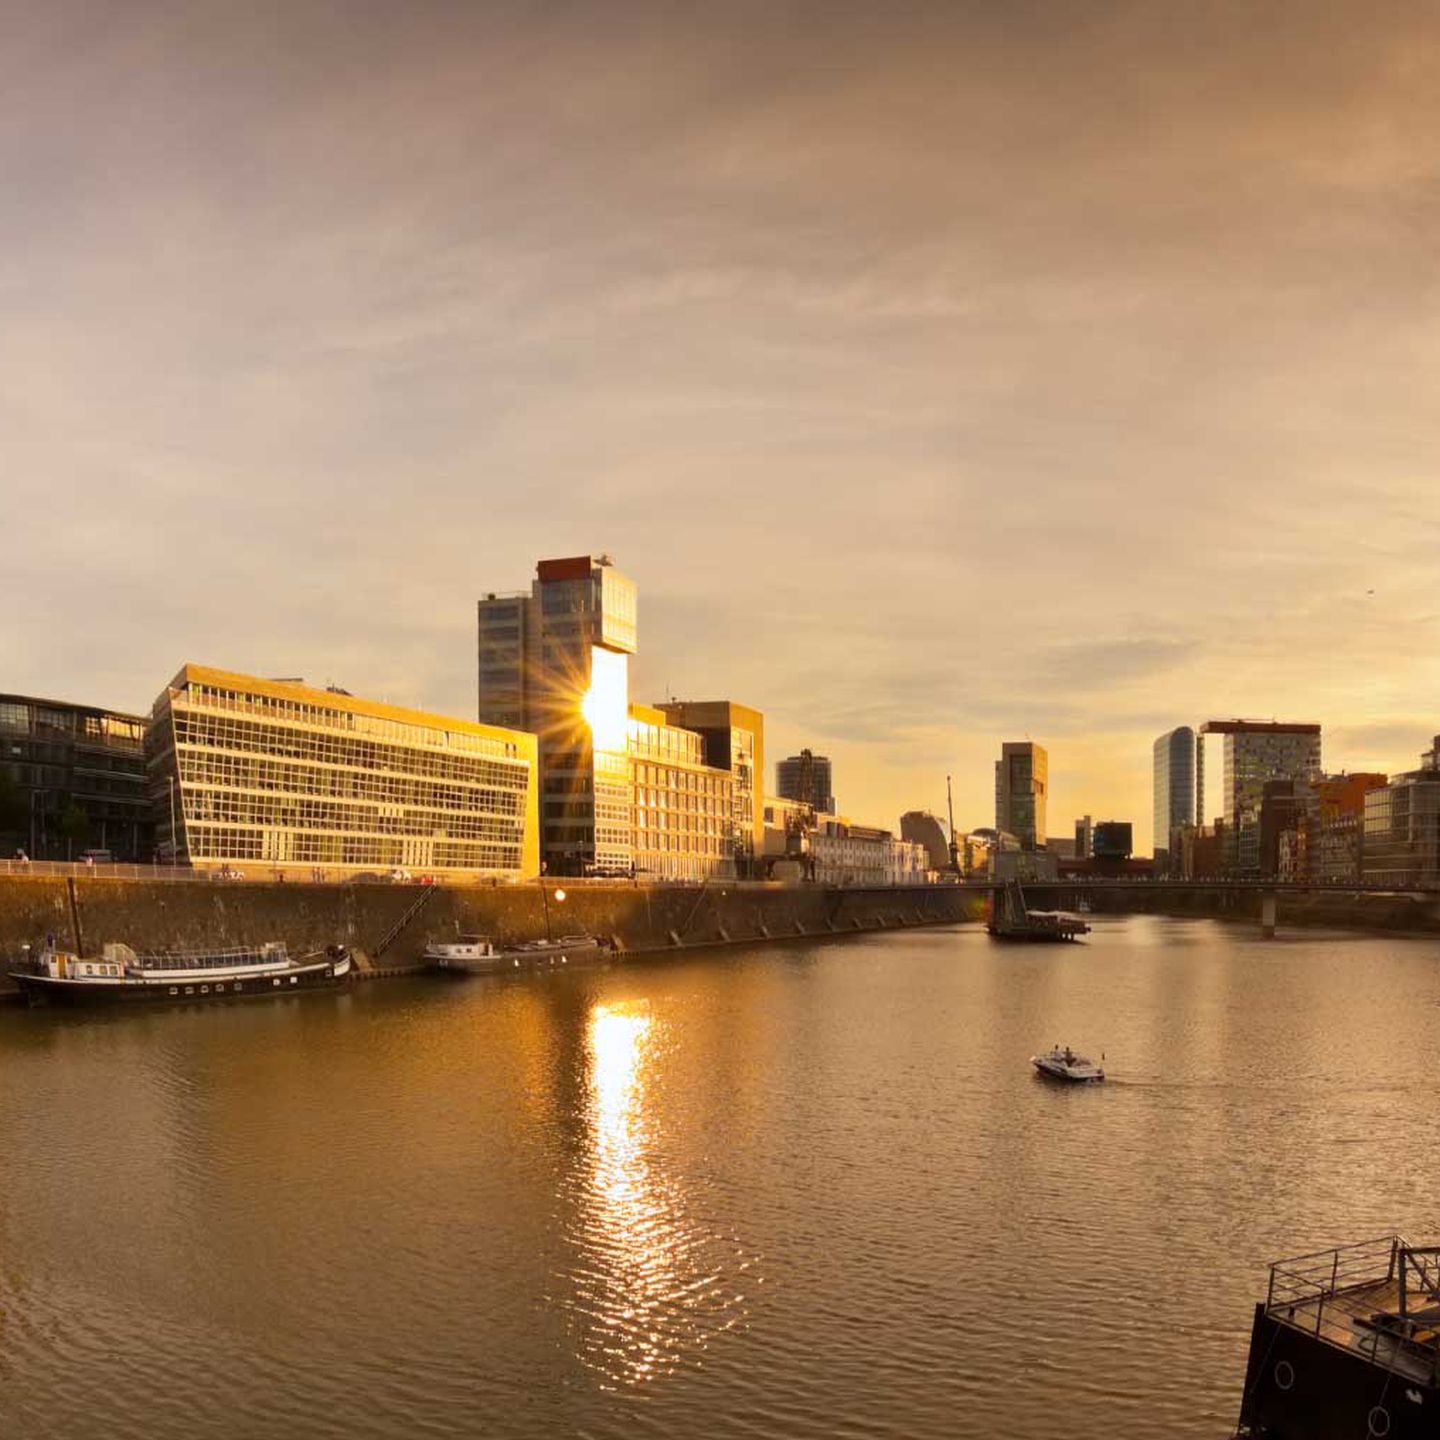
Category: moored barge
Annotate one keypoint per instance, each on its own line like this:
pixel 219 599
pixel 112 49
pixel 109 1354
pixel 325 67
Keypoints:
pixel 1012 919
pixel 122 977
pixel 479 955
pixel 1346 1344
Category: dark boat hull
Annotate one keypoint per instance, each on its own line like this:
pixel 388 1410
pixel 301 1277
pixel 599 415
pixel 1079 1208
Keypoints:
pixel 1297 1387
pixel 40 990
pixel 513 962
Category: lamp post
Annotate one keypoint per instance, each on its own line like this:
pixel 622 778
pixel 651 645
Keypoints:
pixel 545 900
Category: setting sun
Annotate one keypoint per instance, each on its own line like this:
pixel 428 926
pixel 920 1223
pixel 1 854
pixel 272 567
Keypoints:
pixel 606 702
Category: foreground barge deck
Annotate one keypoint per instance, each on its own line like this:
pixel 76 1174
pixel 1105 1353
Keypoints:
pixel 1347 1344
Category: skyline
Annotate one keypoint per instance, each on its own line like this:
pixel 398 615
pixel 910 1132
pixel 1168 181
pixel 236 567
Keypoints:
pixel 942 378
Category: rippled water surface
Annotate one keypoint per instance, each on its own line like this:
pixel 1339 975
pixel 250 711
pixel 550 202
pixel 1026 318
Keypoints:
pixel 808 1190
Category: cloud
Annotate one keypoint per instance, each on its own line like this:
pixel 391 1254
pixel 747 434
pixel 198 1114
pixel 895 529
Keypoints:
pixel 942 373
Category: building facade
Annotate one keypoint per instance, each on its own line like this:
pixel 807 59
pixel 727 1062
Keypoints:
pixel 807 777
pixel 1332 844
pixel 683 820
pixel 1113 840
pixel 72 778
pixel 1084 838
pixel 843 853
pixel 1022 777
pixel 1256 752
pixel 288 777
pixel 1175 803
pixel 734 741
pixel 1402 826
pixel 556 662
pixel 920 827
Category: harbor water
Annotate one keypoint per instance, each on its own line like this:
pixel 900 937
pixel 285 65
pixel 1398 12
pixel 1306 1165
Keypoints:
pixel 809 1189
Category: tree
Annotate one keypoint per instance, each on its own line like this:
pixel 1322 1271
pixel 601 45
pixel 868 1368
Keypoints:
pixel 14 813
pixel 74 824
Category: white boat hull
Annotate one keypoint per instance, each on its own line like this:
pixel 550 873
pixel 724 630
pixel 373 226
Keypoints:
pixel 1076 1070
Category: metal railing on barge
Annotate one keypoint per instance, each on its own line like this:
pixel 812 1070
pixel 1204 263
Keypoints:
pixel 1338 1296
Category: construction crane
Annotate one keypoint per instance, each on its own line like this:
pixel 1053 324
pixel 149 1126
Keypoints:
pixel 954 846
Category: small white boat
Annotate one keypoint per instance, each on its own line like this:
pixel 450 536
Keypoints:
pixel 478 955
pixel 1062 1063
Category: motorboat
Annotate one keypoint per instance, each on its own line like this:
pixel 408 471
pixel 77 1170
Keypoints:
pixel 479 955
pixel 1062 1063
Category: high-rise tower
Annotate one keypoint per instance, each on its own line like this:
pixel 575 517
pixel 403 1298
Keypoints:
pixel 556 662
pixel 1174 756
pixel 1022 777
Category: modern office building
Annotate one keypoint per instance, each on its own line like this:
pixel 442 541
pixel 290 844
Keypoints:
pixel 1084 838
pixel 279 775
pixel 1175 803
pixel 1022 775
pixel 1256 751
pixel 683 822
pixel 556 662
pixel 734 740
pixel 806 777
pixel 920 827
pixel 72 778
pixel 1113 840
pixel 1402 826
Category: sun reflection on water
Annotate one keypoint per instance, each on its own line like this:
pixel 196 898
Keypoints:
pixel 651 1287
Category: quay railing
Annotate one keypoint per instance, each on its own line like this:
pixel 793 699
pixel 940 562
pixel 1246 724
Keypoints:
pixel 77 869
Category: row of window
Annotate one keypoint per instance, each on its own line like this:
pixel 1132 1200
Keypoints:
pixel 239 808
pixel 497 789
pixel 231 732
pixel 206 843
pixel 273 709
pixel 237 985
pixel 699 782
pixel 659 842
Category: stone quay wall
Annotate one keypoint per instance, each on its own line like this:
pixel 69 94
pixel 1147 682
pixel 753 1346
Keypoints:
pixel 85 912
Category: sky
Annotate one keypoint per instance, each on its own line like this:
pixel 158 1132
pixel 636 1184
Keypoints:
pixel 942 374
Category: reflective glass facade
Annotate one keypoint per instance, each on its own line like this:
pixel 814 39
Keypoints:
pixel 73 779
pixel 808 778
pixel 555 662
pixel 1022 777
pixel 1402 827
pixel 1256 751
pixel 1174 770
pixel 282 775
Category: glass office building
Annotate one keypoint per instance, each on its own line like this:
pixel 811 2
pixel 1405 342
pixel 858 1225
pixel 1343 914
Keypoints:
pixel 1022 777
pixel 72 778
pixel 1402 826
pixel 1174 770
pixel 556 662
pixel 1256 751
pixel 808 778
pixel 280 775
